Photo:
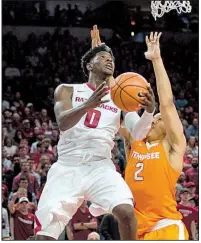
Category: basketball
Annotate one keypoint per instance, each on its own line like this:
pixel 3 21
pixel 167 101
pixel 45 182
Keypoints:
pixel 126 91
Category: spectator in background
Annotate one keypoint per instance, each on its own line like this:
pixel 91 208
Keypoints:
pixel 193 203
pixel 187 160
pixel 22 220
pixel 93 236
pixel 39 138
pixel 7 164
pixel 5 223
pixel 18 137
pixel 191 187
pixel 192 174
pixel 25 172
pixel 179 185
pixel 12 71
pixel 83 223
pixel 23 184
pixel 109 228
pixel 190 215
pixel 9 146
pixel 43 116
pixel 33 169
pixel 27 130
pixel 181 102
pixel 10 130
pixel 23 153
pixel 192 130
pixel 192 147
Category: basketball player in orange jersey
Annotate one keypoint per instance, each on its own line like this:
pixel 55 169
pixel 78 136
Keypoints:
pixel 154 164
pixel 88 121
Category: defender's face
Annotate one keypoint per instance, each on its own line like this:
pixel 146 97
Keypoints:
pixel 157 130
pixel 103 63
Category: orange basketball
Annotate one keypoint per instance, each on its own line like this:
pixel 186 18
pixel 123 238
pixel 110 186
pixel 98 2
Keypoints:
pixel 126 90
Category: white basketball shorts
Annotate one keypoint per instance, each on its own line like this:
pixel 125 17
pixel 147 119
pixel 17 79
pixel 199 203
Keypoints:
pixel 68 185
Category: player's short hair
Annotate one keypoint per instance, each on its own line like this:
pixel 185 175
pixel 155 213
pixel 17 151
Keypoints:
pixel 90 54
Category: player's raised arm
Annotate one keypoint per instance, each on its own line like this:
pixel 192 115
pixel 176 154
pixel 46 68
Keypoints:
pixel 168 110
pixel 66 115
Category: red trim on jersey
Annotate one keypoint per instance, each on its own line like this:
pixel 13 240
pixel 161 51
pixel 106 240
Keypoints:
pixel 93 88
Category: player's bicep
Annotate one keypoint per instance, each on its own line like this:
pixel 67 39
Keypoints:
pixel 63 100
pixel 174 127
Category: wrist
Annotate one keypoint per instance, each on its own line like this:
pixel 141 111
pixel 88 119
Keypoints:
pixel 150 110
pixel 157 60
pixel 85 107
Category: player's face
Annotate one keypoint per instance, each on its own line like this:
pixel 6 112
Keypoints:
pixel 157 131
pixel 103 63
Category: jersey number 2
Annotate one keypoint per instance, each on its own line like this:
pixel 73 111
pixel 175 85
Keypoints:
pixel 92 118
pixel 139 165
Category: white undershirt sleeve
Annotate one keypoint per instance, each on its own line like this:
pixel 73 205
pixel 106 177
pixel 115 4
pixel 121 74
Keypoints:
pixel 138 126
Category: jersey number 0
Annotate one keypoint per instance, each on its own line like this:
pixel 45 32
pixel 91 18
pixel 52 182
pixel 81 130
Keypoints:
pixel 92 118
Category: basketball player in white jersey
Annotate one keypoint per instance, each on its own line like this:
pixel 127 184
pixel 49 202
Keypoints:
pixel 88 121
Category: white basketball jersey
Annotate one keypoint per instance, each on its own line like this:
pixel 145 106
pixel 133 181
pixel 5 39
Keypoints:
pixel 94 134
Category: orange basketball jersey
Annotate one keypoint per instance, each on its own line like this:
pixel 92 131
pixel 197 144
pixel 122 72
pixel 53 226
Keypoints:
pixel 152 181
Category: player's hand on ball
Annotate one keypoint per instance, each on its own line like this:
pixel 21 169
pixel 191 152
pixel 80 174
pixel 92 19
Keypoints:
pixel 153 46
pixel 96 98
pixel 148 100
pixel 95 37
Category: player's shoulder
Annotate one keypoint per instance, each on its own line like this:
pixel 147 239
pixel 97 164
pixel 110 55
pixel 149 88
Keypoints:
pixel 63 90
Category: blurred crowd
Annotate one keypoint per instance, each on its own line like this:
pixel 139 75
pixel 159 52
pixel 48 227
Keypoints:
pixel 31 71
pixel 112 14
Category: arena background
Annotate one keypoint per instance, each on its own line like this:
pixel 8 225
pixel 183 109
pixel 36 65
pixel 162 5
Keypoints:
pixel 42 44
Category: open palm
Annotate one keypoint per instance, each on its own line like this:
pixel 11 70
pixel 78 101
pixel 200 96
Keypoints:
pixel 153 46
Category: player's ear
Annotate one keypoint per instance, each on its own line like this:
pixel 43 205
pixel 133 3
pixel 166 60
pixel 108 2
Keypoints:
pixel 89 66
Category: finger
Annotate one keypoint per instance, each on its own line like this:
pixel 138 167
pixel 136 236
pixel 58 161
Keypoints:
pixel 148 96
pixel 104 93
pixel 101 86
pixel 150 90
pixel 101 91
pixel 142 106
pixel 155 36
pixel 151 37
pixel 104 101
pixel 145 100
pixel 92 34
pixel 96 34
pixel 158 38
pixel 98 37
pixel 147 40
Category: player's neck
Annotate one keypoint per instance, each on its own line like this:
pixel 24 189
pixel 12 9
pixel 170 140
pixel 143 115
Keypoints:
pixel 96 80
pixel 154 141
